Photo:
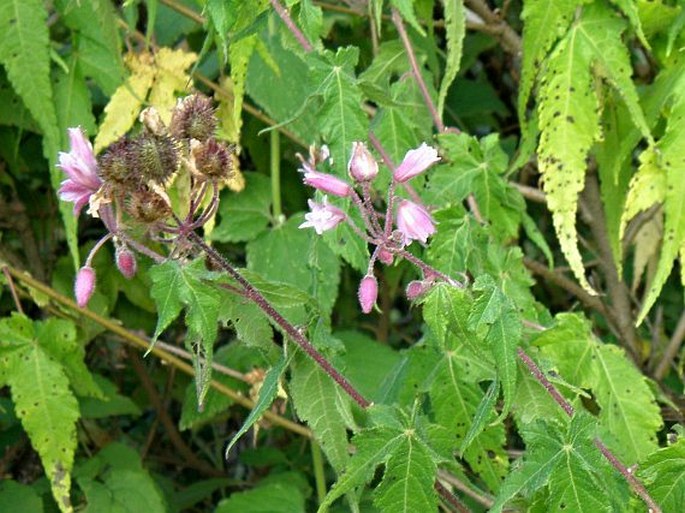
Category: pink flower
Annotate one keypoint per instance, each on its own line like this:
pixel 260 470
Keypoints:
pixel 81 168
pixel 362 166
pixel 368 292
pixel 417 288
pixel 322 216
pixel 385 256
pixel 326 183
pixel 416 162
pixel 84 285
pixel 414 222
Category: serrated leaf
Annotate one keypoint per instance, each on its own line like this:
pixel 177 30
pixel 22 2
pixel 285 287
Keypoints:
pixel 43 399
pixel 170 76
pixel 544 23
pixel 628 409
pixel 267 394
pixel 568 115
pixel 319 401
pixel 647 188
pixel 239 53
pixel 340 118
pixel 630 9
pixel 406 8
pixel 663 474
pixel 565 462
pixel 72 99
pixel 126 102
pixel 672 153
pixel 251 326
pixel 455 28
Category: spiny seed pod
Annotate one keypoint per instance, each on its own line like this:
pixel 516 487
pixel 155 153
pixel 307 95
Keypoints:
pixel 156 157
pixel 116 164
pixel 147 206
pixel 126 262
pixel 193 118
pixel 212 159
pixel 84 286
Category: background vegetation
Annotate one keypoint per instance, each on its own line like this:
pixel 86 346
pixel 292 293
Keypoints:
pixel 553 381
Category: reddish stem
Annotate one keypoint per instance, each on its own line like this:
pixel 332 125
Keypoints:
pixel 283 13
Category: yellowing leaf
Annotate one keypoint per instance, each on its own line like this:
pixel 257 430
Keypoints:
pixel 158 76
pixel 170 76
pixel 646 247
pixel 126 102
pixel 647 188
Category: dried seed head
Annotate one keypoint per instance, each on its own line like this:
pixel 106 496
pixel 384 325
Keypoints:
pixel 147 206
pixel 156 157
pixel 212 159
pixel 193 118
pixel 117 167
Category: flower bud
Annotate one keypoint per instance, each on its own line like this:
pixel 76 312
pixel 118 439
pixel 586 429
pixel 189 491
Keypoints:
pixel 368 292
pixel 416 162
pixel 362 166
pixel 126 262
pixel 417 288
pixel 193 118
pixel 414 222
pixel 326 183
pixel 385 256
pixel 84 286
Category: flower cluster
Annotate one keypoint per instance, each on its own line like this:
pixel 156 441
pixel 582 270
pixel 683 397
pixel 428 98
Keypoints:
pixel 127 184
pixel 389 232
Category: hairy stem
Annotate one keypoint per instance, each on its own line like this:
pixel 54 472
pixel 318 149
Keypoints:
pixel 285 16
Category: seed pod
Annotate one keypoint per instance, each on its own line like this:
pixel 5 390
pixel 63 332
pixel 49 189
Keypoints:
pixel 116 165
pixel 212 159
pixel 193 118
pixel 147 206
pixel 156 156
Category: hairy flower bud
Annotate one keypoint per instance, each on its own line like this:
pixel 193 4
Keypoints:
pixel 126 262
pixel 417 288
pixel 156 157
pixel 327 183
pixel 362 166
pixel 193 118
pixel 368 292
pixel 84 286
pixel 414 222
pixel 416 162
pixel 212 159
pixel 385 256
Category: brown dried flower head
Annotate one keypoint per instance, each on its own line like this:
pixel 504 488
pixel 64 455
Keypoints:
pixel 193 118
pixel 212 159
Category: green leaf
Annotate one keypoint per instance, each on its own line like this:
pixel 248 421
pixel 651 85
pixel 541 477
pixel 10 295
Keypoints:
pixel 72 99
pixel 321 403
pixel 340 118
pixel 115 481
pixel 628 412
pixel 566 463
pixel 268 498
pixel 251 326
pixel 663 474
pixel 43 399
pixel 475 168
pixel 176 285
pixel 455 28
pixel 244 215
pixel 112 403
pixel 495 312
pixel 406 8
pixel 19 497
pixel 267 394
pixel 299 258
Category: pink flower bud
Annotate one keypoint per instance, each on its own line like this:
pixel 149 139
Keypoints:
pixel 385 256
pixel 416 162
pixel 84 285
pixel 414 222
pixel 326 183
pixel 368 292
pixel 126 262
pixel 417 288
pixel 322 216
pixel 362 166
